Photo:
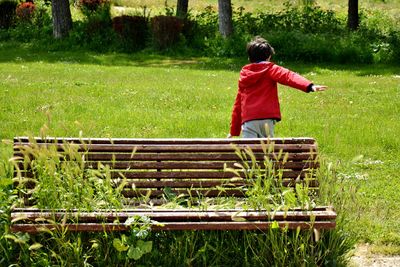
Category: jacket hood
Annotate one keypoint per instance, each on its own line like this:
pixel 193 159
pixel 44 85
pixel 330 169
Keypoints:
pixel 252 73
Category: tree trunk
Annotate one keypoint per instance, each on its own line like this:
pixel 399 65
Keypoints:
pixel 353 18
pixel 62 21
pixel 225 17
pixel 182 8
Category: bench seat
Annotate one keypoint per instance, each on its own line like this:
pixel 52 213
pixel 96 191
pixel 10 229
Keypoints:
pixel 32 220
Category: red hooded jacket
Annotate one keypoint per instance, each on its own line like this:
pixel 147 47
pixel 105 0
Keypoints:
pixel 257 96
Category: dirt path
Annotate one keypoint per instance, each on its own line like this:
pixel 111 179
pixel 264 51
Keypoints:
pixel 363 258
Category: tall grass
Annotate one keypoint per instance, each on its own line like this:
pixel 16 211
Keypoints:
pixel 275 247
pixel 275 5
pixel 53 169
pixel 61 179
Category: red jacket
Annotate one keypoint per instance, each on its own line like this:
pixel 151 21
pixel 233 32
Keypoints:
pixel 257 96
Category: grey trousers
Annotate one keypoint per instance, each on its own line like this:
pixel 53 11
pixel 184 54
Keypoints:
pixel 258 128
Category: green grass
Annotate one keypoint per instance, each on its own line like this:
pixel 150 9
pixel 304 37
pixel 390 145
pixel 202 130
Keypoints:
pixel 389 8
pixel 120 95
pixel 252 5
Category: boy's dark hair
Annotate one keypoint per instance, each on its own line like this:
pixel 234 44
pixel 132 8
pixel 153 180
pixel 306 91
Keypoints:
pixel 259 50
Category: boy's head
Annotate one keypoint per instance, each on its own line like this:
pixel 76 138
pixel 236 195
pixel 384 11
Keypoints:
pixel 259 50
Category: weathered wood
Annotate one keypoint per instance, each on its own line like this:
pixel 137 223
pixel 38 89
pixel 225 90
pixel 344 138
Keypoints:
pixel 182 148
pixel 320 218
pixel 189 168
pixel 28 140
pixel 319 214
pixel 199 184
pixel 250 226
pixel 193 174
pixel 196 165
pixel 202 192
pixel 193 157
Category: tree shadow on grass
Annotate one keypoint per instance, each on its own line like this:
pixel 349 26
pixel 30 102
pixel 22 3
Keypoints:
pixel 20 53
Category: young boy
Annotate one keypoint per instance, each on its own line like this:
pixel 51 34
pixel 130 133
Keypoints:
pixel 256 107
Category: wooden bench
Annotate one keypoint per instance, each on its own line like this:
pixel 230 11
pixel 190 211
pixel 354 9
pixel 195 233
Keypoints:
pixel 196 170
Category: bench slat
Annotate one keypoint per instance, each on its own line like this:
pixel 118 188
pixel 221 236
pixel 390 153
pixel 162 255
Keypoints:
pixel 201 174
pixel 178 226
pixel 175 141
pixel 320 218
pixel 200 184
pixel 161 209
pixel 180 215
pixel 204 192
pixel 192 157
pixel 173 148
pixel 93 156
pixel 193 174
pixel 196 165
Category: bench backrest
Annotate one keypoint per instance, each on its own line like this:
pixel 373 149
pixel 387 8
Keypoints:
pixel 195 167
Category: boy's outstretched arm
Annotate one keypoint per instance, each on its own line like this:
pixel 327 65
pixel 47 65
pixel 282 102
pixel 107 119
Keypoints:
pixel 287 77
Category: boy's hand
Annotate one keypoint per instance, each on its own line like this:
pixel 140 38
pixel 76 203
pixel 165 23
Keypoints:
pixel 318 88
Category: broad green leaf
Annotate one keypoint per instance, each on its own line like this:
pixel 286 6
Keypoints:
pixel 145 246
pixel 135 253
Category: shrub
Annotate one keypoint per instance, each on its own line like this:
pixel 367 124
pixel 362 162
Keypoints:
pixel 97 34
pixel 348 48
pixel 133 31
pixel 302 47
pixel 90 7
pixel 310 19
pixel 200 29
pixel 42 18
pixel 7 13
pixel 207 22
pixel 394 44
pixel 95 31
pixel 245 22
pixel 25 11
pixel 353 48
pixel 189 31
pixel 233 46
pixel 166 31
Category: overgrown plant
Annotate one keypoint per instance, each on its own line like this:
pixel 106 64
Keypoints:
pixel 266 189
pixel 8 249
pixel 54 179
pixel 60 179
pixel 134 245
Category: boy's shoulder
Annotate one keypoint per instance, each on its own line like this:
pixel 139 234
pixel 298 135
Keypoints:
pixel 263 66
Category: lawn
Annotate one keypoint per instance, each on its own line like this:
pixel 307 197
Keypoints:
pixel 388 7
pixel 355 122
